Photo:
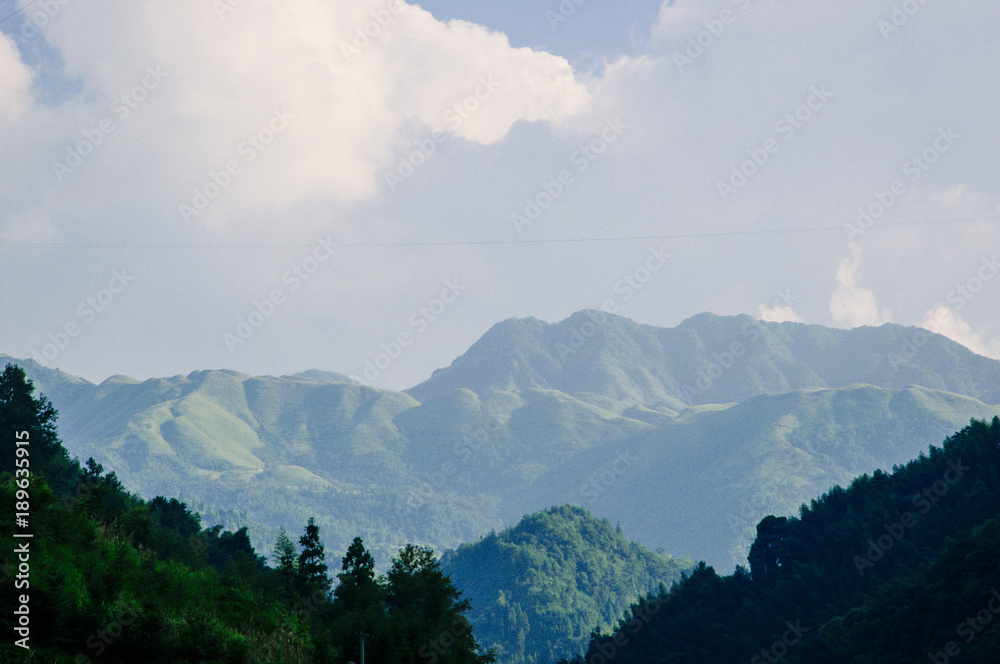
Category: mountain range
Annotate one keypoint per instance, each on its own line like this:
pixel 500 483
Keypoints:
pixel 715 423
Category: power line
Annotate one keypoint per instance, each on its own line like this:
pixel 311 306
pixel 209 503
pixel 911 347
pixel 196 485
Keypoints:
pixel 4 20
pixel 465 243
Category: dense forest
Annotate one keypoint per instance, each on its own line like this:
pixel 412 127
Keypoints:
pixel 538 589
pixel 896 568
pixel 107 576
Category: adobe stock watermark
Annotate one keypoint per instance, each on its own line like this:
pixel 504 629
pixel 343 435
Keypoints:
pixel 600 482
pixel 630 283
pixel 721 362
pixel 371 30
pixel 913 169
pixel 280 644
pixel 562 12
pixel 701 42
pixel 99 641
pixel 581 159
pixel 786 127
pixel 782 303
pixel 441 644
pixel 224 7
pixel 764 499
pixel 121 109
pixel 248 149
pixel 968 629
pixel 924 501
pixel 607 648
pixel 86 312
pixel 900 16
pixel 964 293
pixel 941 315
pixel 40 16
pixel 294 277
pixel 779 648
pixel 419 322
pixel 409 161
pixel 461 452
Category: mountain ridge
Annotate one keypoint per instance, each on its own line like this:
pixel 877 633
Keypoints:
pixel 445 469
pixel 706 359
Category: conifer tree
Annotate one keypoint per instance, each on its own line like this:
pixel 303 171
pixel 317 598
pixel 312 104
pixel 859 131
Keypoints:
pixel 285 560
pixel 311 572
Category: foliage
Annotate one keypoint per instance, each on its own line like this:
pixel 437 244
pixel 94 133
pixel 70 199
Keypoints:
pixel 117 579
pixel 540 587
pixel 851 569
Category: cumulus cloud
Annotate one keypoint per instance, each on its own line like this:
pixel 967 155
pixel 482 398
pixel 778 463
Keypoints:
pixel 15 80
pixel 943 320
pixel 852 304
pixel 355 78
pixel 779 313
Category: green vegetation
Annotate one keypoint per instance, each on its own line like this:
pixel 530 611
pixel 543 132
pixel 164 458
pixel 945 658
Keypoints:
pixel 113 578
pixel 531 416
pixel 881 572
pixel 685 439
pixel 539 588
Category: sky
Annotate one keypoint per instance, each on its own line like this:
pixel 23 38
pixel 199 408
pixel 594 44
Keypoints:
pixel 367 187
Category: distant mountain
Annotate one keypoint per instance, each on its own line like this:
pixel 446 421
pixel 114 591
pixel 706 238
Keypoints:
pixel 539 588
pixel 707 359
pixel 711 476
pixel 535 414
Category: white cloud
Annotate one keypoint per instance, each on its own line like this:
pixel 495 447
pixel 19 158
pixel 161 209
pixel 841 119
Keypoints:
pixel 851 303
pixel 779 313
pixel 944 320
pixel 675 14
pixel 685 131
pixel 351 96
pixel 15 80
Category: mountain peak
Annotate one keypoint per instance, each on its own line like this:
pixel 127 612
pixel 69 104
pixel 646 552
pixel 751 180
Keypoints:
pixel 707 358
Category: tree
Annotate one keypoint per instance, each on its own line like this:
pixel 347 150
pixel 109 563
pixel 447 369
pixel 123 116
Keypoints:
pixel 358 588
pixel 426 613
pixel 284 558
pixel 359 605
pixel 20 411
pixel 765 552
pixel 311 574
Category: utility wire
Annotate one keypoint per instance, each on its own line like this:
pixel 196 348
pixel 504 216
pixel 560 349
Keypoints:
pixel 465 243
pixel 4 20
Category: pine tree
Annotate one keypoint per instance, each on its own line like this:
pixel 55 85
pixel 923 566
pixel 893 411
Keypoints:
pixel 359 605
pixel 285 561
pixel 311 573
pixel 357 585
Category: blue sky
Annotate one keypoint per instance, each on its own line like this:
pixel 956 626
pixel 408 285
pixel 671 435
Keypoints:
pixel 272 187
pixel 585 34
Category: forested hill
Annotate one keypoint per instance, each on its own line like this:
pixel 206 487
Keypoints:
pixel 539 588
pixel 106 576
pixel 707 359
pixel 838 583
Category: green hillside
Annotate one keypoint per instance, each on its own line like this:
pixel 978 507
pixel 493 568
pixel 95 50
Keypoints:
pixel 768 455
pixel 518 423
pixel 538 589
pixel 884 571
pixel 95 573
